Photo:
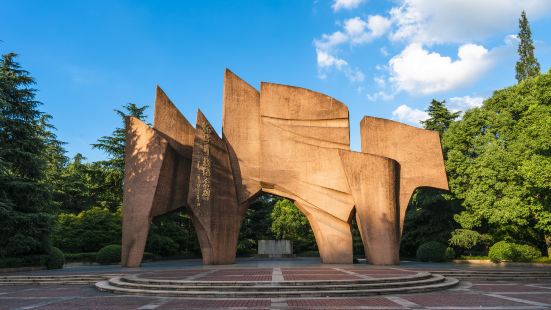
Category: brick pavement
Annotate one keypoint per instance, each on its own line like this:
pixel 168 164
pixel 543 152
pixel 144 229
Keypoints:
pixel 473 294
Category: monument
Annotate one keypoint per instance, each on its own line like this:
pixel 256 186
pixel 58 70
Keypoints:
pixel 287 141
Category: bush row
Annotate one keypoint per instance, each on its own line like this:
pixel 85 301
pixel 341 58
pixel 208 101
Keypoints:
pixel 434 251
pixel 514 252
pixel 501 251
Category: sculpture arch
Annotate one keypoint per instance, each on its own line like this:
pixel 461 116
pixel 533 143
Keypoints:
pixel 283 140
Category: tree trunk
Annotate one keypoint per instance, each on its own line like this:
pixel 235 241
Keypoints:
pixel 548 243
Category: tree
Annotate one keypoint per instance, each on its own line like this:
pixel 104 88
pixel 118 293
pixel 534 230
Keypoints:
pixel 440 117
pixel 108 174
pixel 257 224
pixel 499 164
pixel 527 66
pixel 25 222
pixel 289 223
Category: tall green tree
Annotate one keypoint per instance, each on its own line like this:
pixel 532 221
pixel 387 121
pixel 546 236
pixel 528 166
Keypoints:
pixel 108 174
pixel 25 220
pixel 288 222
pixel 499 164
pixel 440 117
pixel 527 66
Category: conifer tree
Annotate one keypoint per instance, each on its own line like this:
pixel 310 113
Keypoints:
pixel 109 174
pixel 527 66
pixel 440 117
pixel 25 221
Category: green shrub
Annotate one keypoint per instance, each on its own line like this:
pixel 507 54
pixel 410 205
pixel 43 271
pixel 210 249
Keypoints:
pixel 432 251
pixel 23 261
pixel 502 251
pixel 109 254
pixel 87 231
pixel 56 259
pixel 449 253
pixel 150 256
pixel 526 253
pixel 87 257
pixel 507 251
pixel 161 245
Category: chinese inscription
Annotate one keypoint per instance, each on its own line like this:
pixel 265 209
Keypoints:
pixel 204 166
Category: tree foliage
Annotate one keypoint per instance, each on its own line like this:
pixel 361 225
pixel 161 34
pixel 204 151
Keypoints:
pixel 527 66
pixel 25 202
pixel 440 117
pixel 499 163
pixel 288 222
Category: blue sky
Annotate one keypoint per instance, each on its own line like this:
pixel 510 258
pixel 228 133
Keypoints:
pixel 381 58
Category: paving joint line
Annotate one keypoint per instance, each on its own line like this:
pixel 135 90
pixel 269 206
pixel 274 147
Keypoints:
pixel 404 302
pixel 524 301
pixel 47 302
pixel 278 303
pixel 155 304
pixel 201 274
pixel 359 275
pixel 277 275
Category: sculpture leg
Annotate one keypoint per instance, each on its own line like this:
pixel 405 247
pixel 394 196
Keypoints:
pixel 374 184
pixel 333 235
pixel 135 228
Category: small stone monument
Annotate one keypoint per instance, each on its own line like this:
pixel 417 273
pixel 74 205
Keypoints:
pixel 275 248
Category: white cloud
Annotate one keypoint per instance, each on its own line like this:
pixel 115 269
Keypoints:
pixel 360 31
pixel 355 31
pixel 354 74
pixel 452 21
pixel 416 70
pixel 462 104
pixel 346 4
pixel 380 95
pixel 405 113
pixel 325 60
pixel 329 41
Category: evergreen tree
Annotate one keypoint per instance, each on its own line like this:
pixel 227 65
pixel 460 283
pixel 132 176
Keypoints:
pixel 25 222
pixel 440 117
pixel 527 66
pixel 108 175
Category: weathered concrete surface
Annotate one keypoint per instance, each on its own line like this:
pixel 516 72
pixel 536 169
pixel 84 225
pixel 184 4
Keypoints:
pixel 287 141
pixel 374 182
pixel 144 160
pixel 418 151
pixel 301 134
pixel 213 203
pixel 241 129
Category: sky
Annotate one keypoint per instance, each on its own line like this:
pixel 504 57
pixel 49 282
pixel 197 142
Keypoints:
pixel 381 58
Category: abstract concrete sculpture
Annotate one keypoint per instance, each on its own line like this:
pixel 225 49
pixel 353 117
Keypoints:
pixel 287 141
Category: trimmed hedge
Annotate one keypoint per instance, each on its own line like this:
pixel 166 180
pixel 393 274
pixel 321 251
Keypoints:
pixel 109 254
pixel 432 251
pixel 56 259
pixel 508 251
pixel 87 257
pixel 23 261
pixel 449 253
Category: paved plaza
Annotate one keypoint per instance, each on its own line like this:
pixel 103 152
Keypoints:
pixel 469 294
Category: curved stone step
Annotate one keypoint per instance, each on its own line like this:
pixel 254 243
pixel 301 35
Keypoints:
pixel 495 275
pixel 314 292
pixel 147 281
pixel 54 280
pixel 275 286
